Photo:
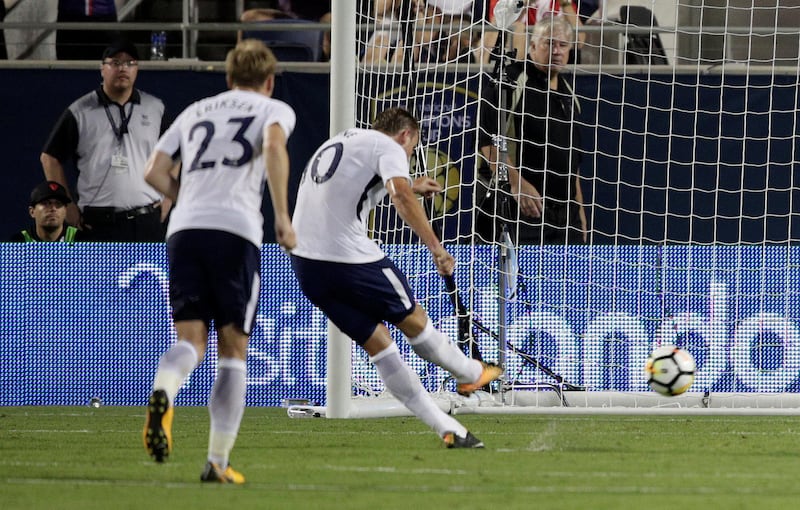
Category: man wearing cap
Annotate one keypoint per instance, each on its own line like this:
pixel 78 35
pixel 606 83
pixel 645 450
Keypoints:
pixel 48 208
pixel 108 135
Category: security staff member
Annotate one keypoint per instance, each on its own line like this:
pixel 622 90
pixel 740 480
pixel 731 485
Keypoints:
pixel 109 134
pixel 48 208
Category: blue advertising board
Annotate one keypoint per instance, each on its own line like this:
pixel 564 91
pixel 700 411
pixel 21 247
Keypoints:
pixel 90 320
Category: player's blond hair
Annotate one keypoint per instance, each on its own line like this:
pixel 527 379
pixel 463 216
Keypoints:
pixel 250 63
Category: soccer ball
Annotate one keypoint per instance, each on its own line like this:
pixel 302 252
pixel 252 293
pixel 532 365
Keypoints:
pixel 670 370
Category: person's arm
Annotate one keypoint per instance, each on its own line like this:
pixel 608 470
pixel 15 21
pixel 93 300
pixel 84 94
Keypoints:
pixel 276 158
pixel 581 210
pixel 258 14
pixel 411 211
pixel 568 10
pixel 61 144
pixel 377 48
pixel 426 187
pixel 525 193
pixel 516 30
pixel 54 171
pixel 166 202
pixel 158 174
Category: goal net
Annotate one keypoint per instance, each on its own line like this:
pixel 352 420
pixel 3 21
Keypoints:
pixel 682 134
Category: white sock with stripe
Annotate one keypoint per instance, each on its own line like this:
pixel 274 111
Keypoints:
pixel 226 408
pixel 406 387
pixel 432 345
pixel 174 367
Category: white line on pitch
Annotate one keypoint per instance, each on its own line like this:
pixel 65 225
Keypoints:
pixel 391 469
pixel 474 489
pixel 53 431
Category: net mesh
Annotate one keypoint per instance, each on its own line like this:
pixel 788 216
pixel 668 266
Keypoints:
pixel 685 138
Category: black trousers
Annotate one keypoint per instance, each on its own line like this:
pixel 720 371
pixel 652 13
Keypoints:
pixel 560 223
pixel 118 227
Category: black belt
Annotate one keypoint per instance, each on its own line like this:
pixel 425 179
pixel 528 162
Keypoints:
pixel 109 215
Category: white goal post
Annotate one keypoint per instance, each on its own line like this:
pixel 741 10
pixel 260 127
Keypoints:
pixel 689 165
pixel 343 108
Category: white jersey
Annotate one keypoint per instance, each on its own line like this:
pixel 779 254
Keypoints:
pixel 341 184
pixel 223 176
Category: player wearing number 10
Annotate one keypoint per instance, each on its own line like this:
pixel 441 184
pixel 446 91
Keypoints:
pixel 348 277
pixel 225 143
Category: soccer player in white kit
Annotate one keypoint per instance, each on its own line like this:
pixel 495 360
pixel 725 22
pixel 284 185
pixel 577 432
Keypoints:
pixel 345 274
pixel 229 145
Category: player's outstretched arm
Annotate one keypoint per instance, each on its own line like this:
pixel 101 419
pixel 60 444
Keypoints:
pixel 410 210
pixel 426 187
pixel 276 158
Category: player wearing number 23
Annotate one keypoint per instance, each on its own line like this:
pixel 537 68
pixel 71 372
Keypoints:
pixel 348 276
pixel 229 146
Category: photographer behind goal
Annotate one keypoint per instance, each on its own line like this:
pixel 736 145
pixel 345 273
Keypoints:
pixel 545 202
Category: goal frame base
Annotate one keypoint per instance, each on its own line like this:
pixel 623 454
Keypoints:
pixel 573 402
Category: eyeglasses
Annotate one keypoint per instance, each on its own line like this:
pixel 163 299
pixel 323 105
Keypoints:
pixel 117 64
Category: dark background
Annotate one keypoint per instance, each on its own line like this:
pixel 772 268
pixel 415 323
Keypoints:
pixel 664 165
pixel 33 100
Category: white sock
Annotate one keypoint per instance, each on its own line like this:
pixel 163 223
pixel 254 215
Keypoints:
pixel 174 367
pixel 432 345
pixel 226 407
pixel 405 386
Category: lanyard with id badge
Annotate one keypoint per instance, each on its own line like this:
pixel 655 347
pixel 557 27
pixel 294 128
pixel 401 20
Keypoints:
pixel 119 161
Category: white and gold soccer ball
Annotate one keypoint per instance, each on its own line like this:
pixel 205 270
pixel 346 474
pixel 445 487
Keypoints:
pixel 670 370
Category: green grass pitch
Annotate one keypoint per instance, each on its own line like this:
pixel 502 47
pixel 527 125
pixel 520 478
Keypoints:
pixel 84 458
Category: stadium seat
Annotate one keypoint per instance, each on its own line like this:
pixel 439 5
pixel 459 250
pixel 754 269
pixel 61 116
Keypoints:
pixel 289 45
pixel 642 48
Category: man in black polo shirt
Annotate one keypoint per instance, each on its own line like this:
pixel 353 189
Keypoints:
pixel 546 200
pixel 109 133
pixel 48 208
